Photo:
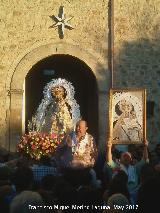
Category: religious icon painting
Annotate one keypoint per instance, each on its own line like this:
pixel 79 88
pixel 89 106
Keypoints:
pixel 127 116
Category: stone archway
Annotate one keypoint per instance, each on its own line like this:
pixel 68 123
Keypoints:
pixel 75 71
pixel 19 73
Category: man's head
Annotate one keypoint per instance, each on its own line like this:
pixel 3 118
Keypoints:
pixel 126 158
pixel 81 128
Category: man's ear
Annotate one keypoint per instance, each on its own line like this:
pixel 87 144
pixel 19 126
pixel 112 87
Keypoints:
pixel 86 128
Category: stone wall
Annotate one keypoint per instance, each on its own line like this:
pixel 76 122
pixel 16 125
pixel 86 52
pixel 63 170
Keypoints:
pixel 137 53
pixel 26 25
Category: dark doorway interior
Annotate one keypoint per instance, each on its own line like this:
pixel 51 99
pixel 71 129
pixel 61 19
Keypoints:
pixel 73 70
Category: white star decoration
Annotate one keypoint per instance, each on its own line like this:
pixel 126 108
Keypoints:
pixel 61 22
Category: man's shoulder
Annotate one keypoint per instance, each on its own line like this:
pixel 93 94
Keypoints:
pixel 89 136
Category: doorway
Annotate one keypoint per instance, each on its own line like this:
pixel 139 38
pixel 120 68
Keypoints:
pixel 73 70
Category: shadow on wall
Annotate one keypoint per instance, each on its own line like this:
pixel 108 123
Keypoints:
pixel 137 65
pixel 103 99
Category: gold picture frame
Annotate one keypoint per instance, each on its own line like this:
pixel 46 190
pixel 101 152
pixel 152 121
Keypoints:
pixel 127 116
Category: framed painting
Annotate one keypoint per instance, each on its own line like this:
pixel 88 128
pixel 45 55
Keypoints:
pixel 127 116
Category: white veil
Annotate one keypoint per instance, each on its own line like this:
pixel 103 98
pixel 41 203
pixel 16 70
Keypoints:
pixel 39 119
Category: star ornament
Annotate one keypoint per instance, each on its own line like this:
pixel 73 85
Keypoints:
pixel 61 22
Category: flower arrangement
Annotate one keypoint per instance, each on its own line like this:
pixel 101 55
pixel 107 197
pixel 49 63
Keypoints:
pixel 37 144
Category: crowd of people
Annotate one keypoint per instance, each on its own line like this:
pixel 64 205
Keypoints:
pixel 77 177
pixel 71 181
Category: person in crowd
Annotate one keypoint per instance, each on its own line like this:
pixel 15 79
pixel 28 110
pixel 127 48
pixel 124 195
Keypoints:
pixel 91 197
pixel 125 164
pixel 26 202
pixel 155 159
pixel 46 189
pixel 7 190
pixel 43 168
pixel 23 179
pixel 147 172
pixel 119 199
pixel 148 195
pixel 78 150
pixel 118 184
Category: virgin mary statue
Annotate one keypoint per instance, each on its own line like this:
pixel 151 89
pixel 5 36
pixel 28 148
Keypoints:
pixel 58 111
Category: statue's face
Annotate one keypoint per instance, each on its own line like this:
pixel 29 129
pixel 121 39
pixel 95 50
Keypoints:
pixel 58 92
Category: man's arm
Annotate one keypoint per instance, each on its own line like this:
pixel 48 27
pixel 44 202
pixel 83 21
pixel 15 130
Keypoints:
pixel 109 152
pixel 110 165
pixel 144 159
pixel 145 152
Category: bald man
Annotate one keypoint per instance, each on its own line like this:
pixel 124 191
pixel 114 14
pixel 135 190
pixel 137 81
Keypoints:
pixel 78 149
